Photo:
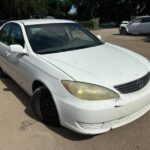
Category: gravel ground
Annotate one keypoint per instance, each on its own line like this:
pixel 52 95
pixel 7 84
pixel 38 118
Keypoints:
pixel 19 129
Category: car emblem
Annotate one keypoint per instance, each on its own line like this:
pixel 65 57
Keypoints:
pixel 140 83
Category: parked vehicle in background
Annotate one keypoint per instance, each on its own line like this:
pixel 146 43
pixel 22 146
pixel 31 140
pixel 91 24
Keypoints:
pixel 49 17
pixel 110 24
pixel 140 25
pixel 41 17
pixel 36 17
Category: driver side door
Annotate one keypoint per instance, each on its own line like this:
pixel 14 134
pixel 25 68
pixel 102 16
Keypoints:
pixel 4 47
pixel 18 61
pixel 135 26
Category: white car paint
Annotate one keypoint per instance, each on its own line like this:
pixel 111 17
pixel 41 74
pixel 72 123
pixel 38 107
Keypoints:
pixel 82 67
pixel 105 65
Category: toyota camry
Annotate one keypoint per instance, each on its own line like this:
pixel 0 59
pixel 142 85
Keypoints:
pixel 74 79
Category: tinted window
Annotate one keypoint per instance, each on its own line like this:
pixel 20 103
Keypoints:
pixel 52 38
pixel 16 36
pixel 146 20
pixel 4 34
pixel 137 21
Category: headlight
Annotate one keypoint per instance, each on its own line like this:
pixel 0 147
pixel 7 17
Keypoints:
pixel 87 91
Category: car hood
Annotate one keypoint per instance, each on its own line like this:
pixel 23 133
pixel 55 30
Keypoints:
pixel 106 65
pixel 125 22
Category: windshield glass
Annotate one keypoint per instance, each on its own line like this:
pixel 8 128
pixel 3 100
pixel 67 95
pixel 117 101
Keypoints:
pixel 53 38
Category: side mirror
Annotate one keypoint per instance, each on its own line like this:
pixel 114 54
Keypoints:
pixel 99 37
pixel 17 49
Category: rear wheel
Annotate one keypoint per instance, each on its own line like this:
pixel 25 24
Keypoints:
pixel 123 31
pixel 44 107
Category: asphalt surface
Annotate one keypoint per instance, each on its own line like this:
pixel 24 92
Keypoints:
pixel 19 129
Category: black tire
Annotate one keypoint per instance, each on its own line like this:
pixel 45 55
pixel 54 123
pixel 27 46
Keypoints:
pixel 123 31
pixel 2 74
pixel 44 107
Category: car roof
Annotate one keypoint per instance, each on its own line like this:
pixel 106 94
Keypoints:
pixel 140 17
pixel 42 21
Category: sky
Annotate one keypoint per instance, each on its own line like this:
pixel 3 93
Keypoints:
pixel 73 10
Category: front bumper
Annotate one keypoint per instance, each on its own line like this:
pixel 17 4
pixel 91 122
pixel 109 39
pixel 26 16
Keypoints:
pixel 96 117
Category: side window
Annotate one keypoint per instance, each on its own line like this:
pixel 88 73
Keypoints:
pixel 144 20
pixel 16 36
pixel 4 34
pixel 137 21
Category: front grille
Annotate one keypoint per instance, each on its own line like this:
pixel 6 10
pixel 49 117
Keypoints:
pixel 134 85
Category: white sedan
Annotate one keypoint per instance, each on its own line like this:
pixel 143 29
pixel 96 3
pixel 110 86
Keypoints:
pixel 140 25
pixel 74 78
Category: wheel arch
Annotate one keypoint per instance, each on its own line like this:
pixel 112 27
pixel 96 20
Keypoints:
pixel 36 84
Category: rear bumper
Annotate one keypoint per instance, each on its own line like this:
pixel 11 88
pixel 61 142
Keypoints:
pixel 101 116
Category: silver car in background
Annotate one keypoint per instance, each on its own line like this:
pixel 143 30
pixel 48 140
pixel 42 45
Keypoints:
pixel 140 25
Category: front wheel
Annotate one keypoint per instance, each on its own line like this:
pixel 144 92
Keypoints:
pixel 44 107
pixel 123 31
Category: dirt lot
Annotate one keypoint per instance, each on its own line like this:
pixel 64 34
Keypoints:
pixel 19 129
pixel 140 44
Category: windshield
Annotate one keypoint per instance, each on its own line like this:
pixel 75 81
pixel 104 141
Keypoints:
pixel 53 38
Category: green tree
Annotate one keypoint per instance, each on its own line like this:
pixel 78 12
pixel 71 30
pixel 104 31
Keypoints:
pixel 111 10
pixel 87 9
